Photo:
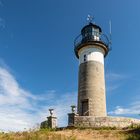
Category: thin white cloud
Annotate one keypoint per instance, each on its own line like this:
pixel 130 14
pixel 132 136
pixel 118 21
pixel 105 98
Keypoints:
pixel 114 76
pixel 21 109
pixel 132 109
pixel 61 104
pixel 114 81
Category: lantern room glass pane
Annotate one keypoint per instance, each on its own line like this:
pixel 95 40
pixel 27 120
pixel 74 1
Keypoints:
pixel 87 32
pixel 95 32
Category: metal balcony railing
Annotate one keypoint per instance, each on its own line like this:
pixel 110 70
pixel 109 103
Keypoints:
pixel 94 36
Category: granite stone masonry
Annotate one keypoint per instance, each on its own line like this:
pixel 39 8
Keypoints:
pixel 118 122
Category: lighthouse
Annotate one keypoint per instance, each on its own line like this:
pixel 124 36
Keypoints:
pixel 91 48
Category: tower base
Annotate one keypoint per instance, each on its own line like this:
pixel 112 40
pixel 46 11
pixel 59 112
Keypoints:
pixel 97 122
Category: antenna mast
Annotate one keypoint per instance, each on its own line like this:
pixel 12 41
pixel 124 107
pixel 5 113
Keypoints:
pixel 110 33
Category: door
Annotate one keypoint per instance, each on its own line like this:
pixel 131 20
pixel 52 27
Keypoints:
pixel 85 111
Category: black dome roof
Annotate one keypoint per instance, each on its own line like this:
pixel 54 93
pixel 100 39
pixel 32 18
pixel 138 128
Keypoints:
pixel 91 25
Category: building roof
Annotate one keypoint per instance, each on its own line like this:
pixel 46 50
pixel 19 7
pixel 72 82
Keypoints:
pixel 93 25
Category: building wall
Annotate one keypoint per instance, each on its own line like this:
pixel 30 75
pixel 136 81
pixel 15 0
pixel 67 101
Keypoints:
pixel 118 122
pixel 91 88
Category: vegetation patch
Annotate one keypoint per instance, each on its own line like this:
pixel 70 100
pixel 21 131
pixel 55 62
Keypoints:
pixel 104 133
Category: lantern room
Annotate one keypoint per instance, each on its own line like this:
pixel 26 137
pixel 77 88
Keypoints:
pixel 91 32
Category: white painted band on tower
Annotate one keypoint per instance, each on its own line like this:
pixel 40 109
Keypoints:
pixel 91 54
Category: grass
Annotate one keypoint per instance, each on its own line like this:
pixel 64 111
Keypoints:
pixel 133 133
pixel 44 134
pixel 104 133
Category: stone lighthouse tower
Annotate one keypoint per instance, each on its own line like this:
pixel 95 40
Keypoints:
pixel 91 47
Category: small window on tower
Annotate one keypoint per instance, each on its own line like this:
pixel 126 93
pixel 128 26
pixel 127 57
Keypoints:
pixel 85 58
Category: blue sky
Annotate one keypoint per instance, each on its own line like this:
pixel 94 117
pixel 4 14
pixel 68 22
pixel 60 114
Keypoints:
pixel 38 68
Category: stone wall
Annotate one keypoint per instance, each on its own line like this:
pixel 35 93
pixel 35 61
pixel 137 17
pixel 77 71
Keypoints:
pixel 90 121
pixel 51 122
pixel 92 88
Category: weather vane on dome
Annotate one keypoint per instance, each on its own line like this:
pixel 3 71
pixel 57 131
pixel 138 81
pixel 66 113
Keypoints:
pixel 90 18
